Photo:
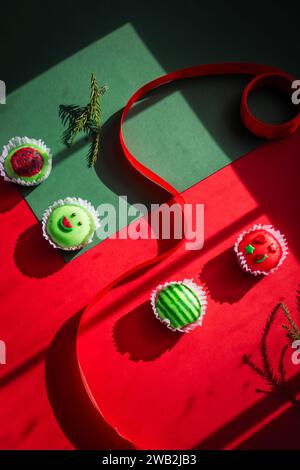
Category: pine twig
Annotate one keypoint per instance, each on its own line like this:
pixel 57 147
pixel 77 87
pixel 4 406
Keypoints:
pixel 80 125
pixel 257 369
pixel 277 380
pixel 264 352
pixel 85 119
pixel 75 118
pixel 293 330
pixel 67 112
pixel 94 149
pixel 266 371
pixel 95 110
pixel 281 368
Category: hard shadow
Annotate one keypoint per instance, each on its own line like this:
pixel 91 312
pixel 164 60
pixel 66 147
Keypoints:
pixel 68 151
pixel 273 179
pixel 177 36
pixel 70 255
pixel 269 434
pixel 80 421
pixel 67 29
pixel 23 368
pixel 210 39
pixel 272 437
pixel 182 37
pixel 177 264
pixel 142 337
pixel 9 196
pixel 34 256
pixel 224 279
pixel 116 172
pixel 260 426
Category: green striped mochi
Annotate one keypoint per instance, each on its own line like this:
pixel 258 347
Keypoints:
pixel 179 304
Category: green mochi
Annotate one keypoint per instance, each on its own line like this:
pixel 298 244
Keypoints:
pixel 83 226
pixel 13 175
pixel 179 304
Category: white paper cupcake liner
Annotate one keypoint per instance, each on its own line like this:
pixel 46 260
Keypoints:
pixel 61 202
pixel 198 290
pixel 279 237
pixel 16 142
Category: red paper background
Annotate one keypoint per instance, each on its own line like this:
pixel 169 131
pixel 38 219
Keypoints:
pixel 39 293
pixel 164 390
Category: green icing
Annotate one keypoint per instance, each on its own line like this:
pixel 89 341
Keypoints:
pixel 13 175
pixel 82 225
pixel 179 304
pixel 260 260
pixel 249 249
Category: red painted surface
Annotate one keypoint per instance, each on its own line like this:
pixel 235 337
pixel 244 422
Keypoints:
pixel 165 390
pixel 128 360
pixel 39 293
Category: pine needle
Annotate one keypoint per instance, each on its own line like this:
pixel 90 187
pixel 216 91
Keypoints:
pixel 94 110
pixel 264 352
pixel 293 330
pixel 281 368
pixel 266 370
pixel 94 150
pixel 276 380
pixel 254 367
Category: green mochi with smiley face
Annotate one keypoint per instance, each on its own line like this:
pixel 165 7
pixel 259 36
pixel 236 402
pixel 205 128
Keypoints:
pixel 70 225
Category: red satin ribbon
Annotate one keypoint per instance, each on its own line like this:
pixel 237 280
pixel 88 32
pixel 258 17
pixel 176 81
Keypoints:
pixel 263 76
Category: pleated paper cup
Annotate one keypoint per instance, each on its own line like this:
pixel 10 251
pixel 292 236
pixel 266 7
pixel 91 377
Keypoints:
pixel 70 201
pixel 242 261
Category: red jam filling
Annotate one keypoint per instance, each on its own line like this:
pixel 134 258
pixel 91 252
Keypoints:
pixel 27 162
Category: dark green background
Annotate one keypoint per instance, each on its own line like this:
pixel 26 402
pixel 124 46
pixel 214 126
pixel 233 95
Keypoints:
pixel 184 132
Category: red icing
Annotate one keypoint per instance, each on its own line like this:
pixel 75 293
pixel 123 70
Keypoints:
pixel 27 162
pixel 66 223
pixel 259 258
pixel 265 244
pixel 260 238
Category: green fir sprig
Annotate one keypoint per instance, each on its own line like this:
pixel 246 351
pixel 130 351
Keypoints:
pixel 85 119
pixel 293 332
pixel 275 376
